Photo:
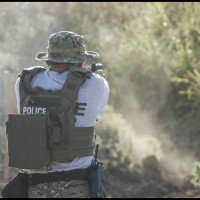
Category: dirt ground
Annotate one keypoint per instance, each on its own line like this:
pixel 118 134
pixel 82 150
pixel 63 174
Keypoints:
pixel 148 183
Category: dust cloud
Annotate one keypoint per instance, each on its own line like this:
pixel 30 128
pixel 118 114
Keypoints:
pixel 150 139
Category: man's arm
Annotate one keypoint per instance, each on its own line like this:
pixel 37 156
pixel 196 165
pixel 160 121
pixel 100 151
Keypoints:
pixel 17 94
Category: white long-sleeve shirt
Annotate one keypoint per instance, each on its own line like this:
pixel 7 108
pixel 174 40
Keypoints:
pixel 92 98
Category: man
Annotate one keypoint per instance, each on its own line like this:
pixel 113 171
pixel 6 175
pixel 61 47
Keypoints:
pixel 67 144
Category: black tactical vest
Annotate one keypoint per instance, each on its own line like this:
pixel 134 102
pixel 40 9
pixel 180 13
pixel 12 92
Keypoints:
pixel 44 130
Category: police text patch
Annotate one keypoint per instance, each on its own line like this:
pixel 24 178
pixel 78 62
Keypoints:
pixel 34 110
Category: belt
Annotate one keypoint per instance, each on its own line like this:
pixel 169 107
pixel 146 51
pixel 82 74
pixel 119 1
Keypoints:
pixel 76 174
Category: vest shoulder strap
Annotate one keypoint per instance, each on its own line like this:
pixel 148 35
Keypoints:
pixel 27 75
pixel 33 70
pixel 75 79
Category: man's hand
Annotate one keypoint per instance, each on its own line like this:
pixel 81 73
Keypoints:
pixel 100 72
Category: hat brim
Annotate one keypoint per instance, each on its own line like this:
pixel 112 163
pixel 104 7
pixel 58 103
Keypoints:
pixel 88 55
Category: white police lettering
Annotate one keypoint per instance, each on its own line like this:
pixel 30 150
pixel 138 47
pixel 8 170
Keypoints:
pixel 80 108
pixel 34 110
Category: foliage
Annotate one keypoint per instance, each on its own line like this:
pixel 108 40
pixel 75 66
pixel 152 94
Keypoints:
pixel 191 80
pixel 196 175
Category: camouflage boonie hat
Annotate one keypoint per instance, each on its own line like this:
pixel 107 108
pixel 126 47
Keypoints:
pixel 66 47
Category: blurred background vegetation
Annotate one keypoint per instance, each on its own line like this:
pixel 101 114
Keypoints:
pixel 151 55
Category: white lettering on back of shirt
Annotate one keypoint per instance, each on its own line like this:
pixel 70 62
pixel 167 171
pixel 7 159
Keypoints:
pixel 34 110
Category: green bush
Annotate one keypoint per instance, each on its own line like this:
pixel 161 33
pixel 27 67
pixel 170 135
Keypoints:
pixel 196 175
